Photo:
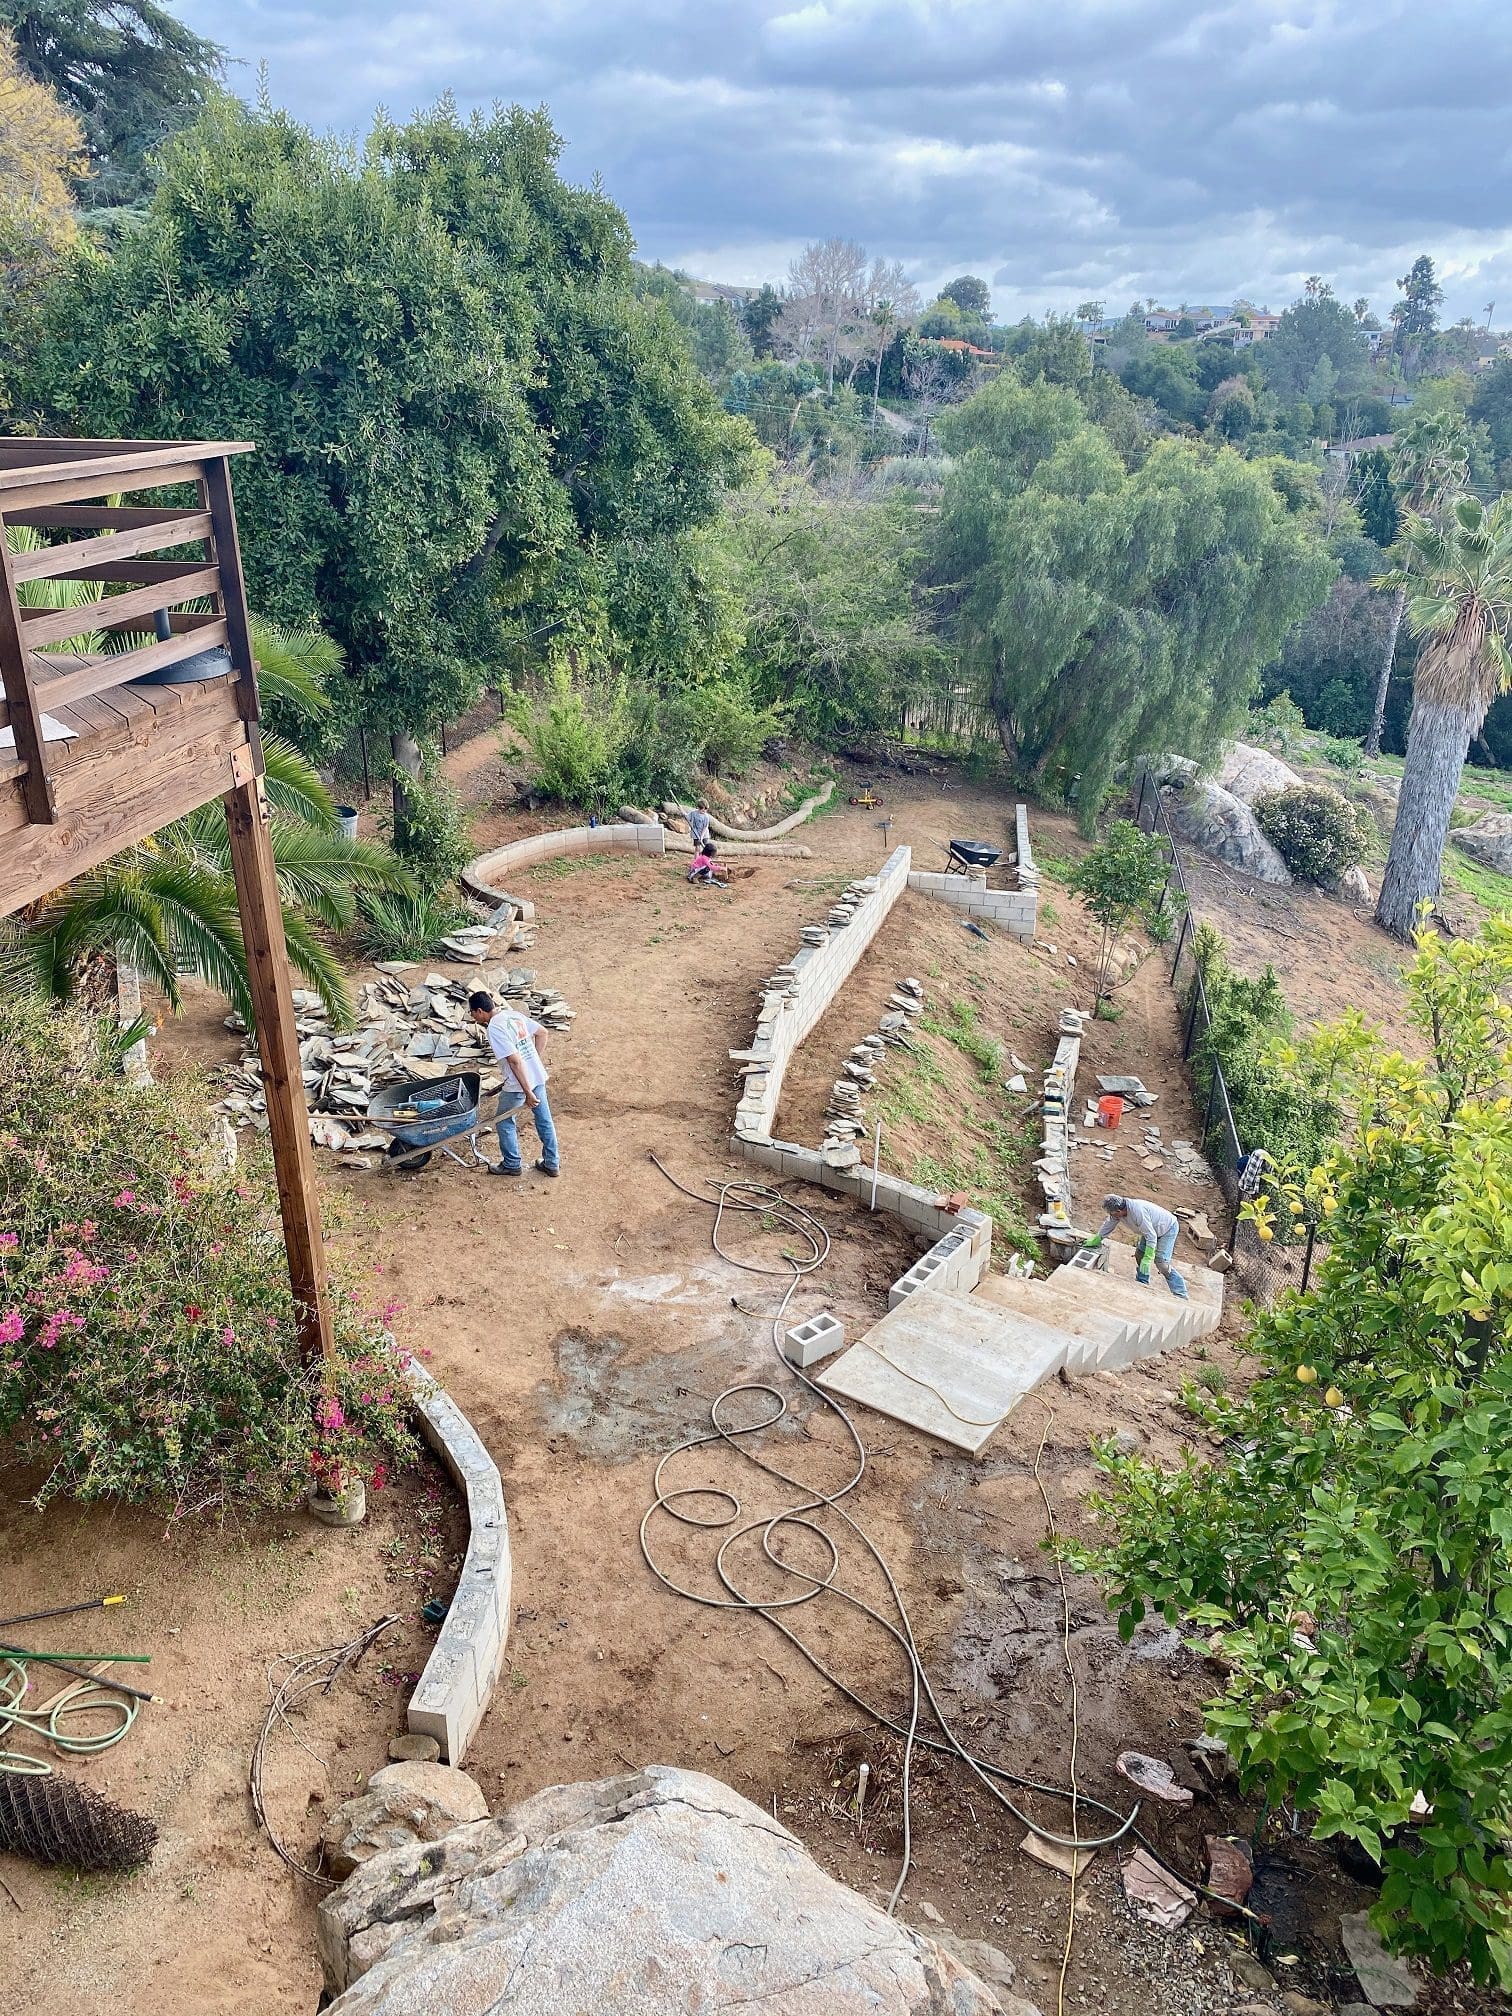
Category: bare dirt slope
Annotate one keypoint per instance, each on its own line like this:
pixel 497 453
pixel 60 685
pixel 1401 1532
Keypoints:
pixel 586 1325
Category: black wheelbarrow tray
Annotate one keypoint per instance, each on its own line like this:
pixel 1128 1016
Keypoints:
pixel 425 1114
pixel 964 854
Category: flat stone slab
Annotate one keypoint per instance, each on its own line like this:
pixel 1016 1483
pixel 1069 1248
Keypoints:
pixel 949 1365
pixel 1386 1981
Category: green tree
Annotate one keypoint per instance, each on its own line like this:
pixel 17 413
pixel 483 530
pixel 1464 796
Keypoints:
pixel 761 315
pixel 1351 1542
pixel 130 71
pixel 1414 317
pixel 1231 409
pixel 1312 329
pixel 1457 576
pixel 971 296
pixel 1491 408
pixel 42 156
pixel 1119 879
pixel 1375 499
pixel 942 318
pixel 1103 611
pixel 1166 375
pixel 469 427
pixel 1429 462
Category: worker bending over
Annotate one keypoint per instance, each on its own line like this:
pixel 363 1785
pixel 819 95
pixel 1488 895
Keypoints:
pixel 1154 1230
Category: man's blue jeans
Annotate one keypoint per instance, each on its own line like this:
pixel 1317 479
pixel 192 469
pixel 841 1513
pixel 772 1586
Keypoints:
pixel 1165 1249
pixel 511 1099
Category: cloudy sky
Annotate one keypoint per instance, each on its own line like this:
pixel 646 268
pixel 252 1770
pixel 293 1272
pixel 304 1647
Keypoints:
pixel 1071 150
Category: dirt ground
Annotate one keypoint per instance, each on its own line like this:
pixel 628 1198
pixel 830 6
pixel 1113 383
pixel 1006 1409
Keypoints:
pixel 585 1326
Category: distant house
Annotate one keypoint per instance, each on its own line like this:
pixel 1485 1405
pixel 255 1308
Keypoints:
pixel 1162 321
pixel 962 348
pixel 1361 445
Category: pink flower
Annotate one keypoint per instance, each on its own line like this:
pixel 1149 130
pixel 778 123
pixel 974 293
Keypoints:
pixel 330 1415
pixel 11 1327
pixel 59 1321
pixel 8 1241
pixel 228 1337
pixel 82 1273
pixel 123 1198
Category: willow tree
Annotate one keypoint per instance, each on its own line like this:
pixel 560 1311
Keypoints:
pixel 1457 577
pixel 1105 612
pixel 1430 460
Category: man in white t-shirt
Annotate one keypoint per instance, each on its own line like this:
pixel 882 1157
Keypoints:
pixel 516 1042
pixel 1154 1230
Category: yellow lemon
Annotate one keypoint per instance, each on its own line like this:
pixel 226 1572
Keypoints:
pixel 1330 1205
pixel 1264 1234
pixel 1296 1209
pixel 1333 1397
pixel 1307 1375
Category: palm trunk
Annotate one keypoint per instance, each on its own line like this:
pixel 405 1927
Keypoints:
pixel 1438 740
pixel 876 388
pixel 1388 663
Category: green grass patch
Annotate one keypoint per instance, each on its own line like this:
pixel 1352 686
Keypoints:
pixel 1482 885
pixel 988 1173
pixel 574 864
pixel 961 1030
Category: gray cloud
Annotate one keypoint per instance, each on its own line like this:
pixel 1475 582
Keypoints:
pixel 1112 148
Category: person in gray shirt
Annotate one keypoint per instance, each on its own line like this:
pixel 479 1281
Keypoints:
pixel 698 826
pixel 1154 1229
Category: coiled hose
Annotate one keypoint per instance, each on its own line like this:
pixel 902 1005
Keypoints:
pixel 49 1717
pixel 802 1226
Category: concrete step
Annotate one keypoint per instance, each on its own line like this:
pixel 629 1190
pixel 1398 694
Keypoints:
pixel 1203 1285
pixel 1097 1339
pixel 1173 1322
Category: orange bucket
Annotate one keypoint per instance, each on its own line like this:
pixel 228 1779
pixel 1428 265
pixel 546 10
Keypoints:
pixel 1109 1110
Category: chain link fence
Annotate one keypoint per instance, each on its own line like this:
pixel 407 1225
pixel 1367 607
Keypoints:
pixel 1266 1268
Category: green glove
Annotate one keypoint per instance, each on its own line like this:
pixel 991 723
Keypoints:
pixel 1091 1245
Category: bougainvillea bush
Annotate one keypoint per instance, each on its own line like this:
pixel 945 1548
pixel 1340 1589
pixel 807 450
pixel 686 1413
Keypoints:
pixel 147 1337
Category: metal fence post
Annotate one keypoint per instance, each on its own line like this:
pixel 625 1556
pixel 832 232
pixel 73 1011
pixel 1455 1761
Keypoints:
pixel 1207 1124
pixel 1181 938
pixel 367 782
pixel 1307 1257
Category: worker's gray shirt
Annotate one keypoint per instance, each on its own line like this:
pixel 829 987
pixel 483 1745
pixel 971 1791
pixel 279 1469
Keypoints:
pixel 698 827
pixel 1144 1219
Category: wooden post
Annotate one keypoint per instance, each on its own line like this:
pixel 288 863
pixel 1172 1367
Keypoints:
pixel 278 1049
pixel 21 700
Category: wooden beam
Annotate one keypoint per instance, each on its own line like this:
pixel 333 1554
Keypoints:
pixel 91 517
pixel 53 626
pixel 216 491
pixel 24 717
pixel 80 559
pixel 282 1075
pixel 101 674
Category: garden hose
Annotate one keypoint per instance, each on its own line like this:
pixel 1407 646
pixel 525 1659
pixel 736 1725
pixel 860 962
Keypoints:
pixel 85 1696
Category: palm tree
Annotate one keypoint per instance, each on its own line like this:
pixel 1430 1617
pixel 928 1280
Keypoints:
pixel 1430 460
pixel 1457 579
pixel 169 904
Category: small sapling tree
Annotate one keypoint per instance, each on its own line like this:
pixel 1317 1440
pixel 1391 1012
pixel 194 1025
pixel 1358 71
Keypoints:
pixel 1119 880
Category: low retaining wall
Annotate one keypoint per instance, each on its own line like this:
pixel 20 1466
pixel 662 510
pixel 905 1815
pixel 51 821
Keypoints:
pixel 1058 1110
pixel 464 1664
pixel 795 998
pixel 723 832
pixel 917 1208
pixel 1015 911
pixel 485 876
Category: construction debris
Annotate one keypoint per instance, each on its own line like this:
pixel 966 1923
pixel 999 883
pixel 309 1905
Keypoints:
pixel 844 1116
pixel 1153 1776
pixel 1157 1896
pixel 1054 1856
pixel 405 1031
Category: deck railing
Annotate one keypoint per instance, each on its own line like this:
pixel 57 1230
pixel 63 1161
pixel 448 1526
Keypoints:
pixel 70 493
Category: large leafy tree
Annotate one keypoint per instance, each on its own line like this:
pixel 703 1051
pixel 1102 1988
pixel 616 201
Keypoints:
pixel 469 426
pixel 1313 329
pixel 1104 611
pixel 1414 317
pixel 1429 462
pixel 1457 576
pixel 128 69
pixel 42 155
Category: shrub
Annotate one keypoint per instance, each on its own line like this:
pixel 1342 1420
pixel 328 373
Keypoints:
pixel 1352 1546
pixel 1279 723
pixel 1118 879
pixel 1346 756
pixel 731 730
pixel 1314 829
pixel 407 926
pixel 577 735
pixel 147 1338
pixel 431 836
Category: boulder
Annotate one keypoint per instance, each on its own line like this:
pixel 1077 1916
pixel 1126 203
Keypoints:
pixel 660 1891
pixel 1354 885
pixel 1249 773
pixel 1207 816
pixel 404 1803
pixel 1488 841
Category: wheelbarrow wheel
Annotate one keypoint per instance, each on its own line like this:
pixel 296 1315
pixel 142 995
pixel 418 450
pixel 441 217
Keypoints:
pixel 408 1161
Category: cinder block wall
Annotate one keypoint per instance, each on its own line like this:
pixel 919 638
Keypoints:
pixel 489 875
pixel 1015 911
pixel 787 1015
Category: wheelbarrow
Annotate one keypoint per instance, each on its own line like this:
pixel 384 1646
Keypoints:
pixel 962 857
pixel 425 1114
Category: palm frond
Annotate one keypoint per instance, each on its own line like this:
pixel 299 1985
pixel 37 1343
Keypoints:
pixel 294 786
pixel 316 868
pixel 198 910
pixel 314 961
pixel 295 666
pixel 115 906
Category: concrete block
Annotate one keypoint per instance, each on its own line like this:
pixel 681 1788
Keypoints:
pixel 806 1343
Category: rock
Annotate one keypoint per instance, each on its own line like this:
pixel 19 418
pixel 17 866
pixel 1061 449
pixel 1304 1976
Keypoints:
pixel 404 1802
pixel 1488 841
pixel 1251 1973
pixel 1385 1980
pixel 1249 773
pixel 1294 2004
pixel 1220 824
pixel 989 1963
pixel 1231 1871
pixel 1355 886
pixel 414 1749
pixel 659 1890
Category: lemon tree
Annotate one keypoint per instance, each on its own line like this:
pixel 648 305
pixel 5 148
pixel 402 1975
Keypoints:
pixel 1352 1546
